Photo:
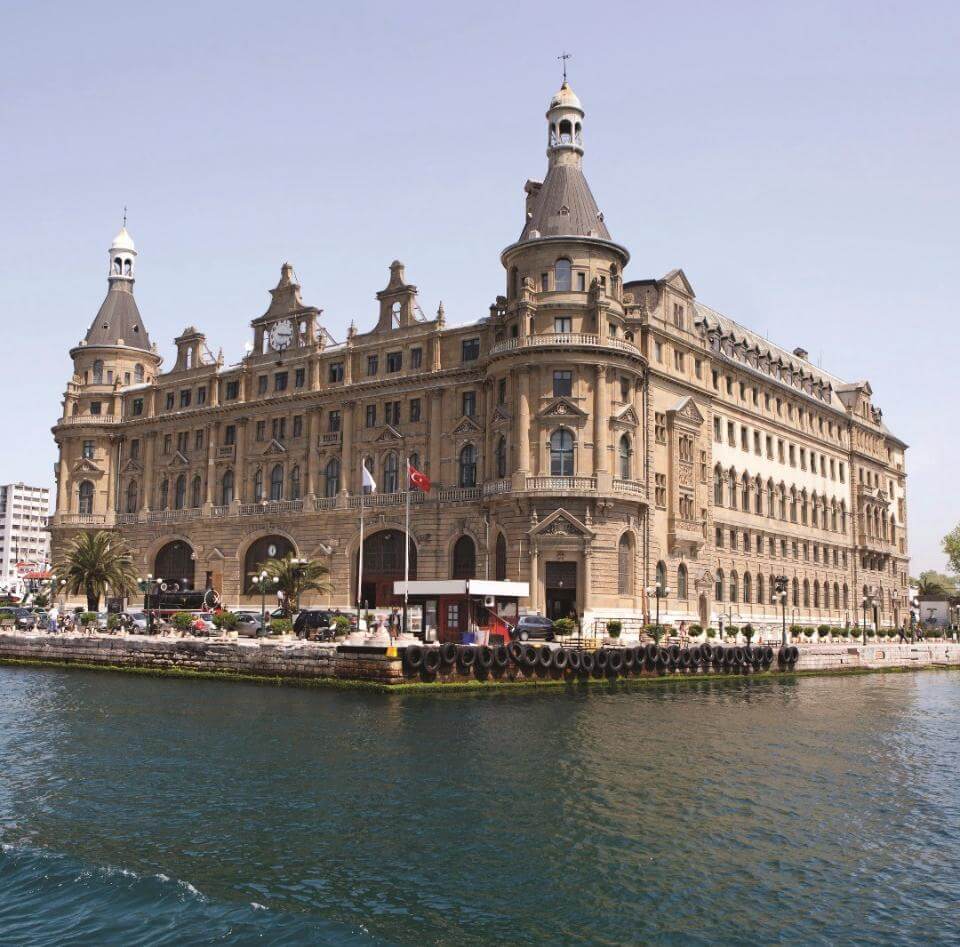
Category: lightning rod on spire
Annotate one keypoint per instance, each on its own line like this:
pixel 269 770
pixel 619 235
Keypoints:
pixel 563 57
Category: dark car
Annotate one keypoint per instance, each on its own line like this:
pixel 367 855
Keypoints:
pixel 315 623
pixel 533 626
pixel 28 618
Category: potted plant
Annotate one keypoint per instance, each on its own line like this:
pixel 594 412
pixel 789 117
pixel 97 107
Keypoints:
pixel 614 627
pixel 711 633
pixel 747 632
pixel 183 621
pixel 696 631
pixel 281 626
pixel 823 631
pixel 341 625
pixel 655 632
pixel 88 620
pixel 113 622
pixel 225 621
pixel 732 632
pixel 564 627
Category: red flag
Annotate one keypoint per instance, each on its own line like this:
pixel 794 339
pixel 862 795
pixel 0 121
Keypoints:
pixel 417 479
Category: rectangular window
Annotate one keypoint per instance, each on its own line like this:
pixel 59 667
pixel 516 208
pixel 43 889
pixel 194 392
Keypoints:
pixel 469 350
pixel 612 330
pixel 793 456
pixel 581 282
pixel 414 410
pixel 392 412
pixel 678 360
pixel 731 434
pixel 333 422
pixel 261 430
pixel 416 357
pixel 230 434
pixel 469 403
pixel 717 430
pixel 544 282
pixel 780 453
pixel 373 364
pixel 185 397
pixel 803 459
pixel 198 440
pixel 502 391
pixel 729 385
pixel 167 444
pixel 371 415
pixel 562 324
pixel 87 450
pixel 298 425
pixel 135 449
pixel 335 372
pixel 299 378
pixel 562 383
pixel 169 401
pixel 744 438
pixel 182 441
pixel 678 315
pixel 262 383
pixel 280 381
pixel 658 351
pixel 756 442
pixel 95 407
pixel 715 379
pixel 233 391
pixel 660 489
pixel 278 429
pixel 138 406
pixel 660 427
pixel 698 367
pixel 718 537
pixel 394 361
pixel 201 396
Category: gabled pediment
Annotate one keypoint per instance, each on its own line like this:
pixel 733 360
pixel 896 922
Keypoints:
pixel 86 466
pixel 132 466
pixel 561 408
pixel 389 433
pixel 216 553
pixel 677 280
pixel 178 460
pixel 500 416
pixel 274 447
pixel 686 410
pixel 466 425
pixel 626 416
pixel 562 524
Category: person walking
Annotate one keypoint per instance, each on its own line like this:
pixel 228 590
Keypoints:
pixel 53 619
pixel 903 633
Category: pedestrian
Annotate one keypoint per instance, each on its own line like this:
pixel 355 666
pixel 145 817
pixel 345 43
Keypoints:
pixel 919 631
pixel 903 633
pixel 53 619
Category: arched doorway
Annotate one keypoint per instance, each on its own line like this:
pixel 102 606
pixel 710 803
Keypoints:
pixel 262 549
pixel 382 566
pixel 175 563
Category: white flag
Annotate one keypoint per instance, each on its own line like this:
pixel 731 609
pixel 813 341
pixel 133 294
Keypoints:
pixel 368 480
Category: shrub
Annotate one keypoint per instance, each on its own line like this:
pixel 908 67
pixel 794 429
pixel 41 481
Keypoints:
pixel 747 632
pixel 655 632
pixel 843 632
pixel 225 621
pixel 808 633
pixel 183 620
pixel 113 622
pixel 341 624
pixel 614 627
pixel 823 630
pixel 696 630
pixel 87 618
pixel 281 626
pixel 711 632
pixel 565 626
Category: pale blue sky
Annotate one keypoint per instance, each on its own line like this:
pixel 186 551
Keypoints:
pixel 797 160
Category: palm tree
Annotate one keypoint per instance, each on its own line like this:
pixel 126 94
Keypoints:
pixel 95 563
pixel 294 576
pixel 932 583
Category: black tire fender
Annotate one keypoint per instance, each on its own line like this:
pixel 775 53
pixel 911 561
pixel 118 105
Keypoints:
pixel 587 662
pixel 448 652
pixel 413 657
pixel 573 660
pixel 501 656
pixel 545 657
pixel 515 652
pixel 485 657
pixel 615 661
pixel 431 660
pixel 529 659
pixel 561 658
pixel 467 656
pixel 601 659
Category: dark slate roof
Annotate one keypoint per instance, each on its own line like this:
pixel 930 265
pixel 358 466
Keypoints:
pixel 117 319
pixel 565 187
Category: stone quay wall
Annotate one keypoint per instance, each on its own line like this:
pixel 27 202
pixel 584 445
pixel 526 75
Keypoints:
pixel 310 660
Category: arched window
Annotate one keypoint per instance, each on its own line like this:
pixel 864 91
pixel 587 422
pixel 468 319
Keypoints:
pixel 561 453
pixel 562 276
pixel 718 586
pixel 661 575
pixel 368 463
pixel 774 600
pixel 468 466
pixel 734 587
pixel 826 595
pixel 681 581
pixel 196 492
pixel 132 496
pixel 747 588
pixel 795 593
pixel 836 594
pixel 806 593
pixel 732 489
pixel 501 457
pixel 138 373
pixel 745 493
pixel 758 497
pixel 164 494
pixel 276 483
pixel 331 478
pixel 771 502
pixel 464 558
pixel 760 591
pixel 625 565
pixel 295 483
pixel 391 474
pixel 98 372
pixel 180 493
pixel 625 457
pixel 718 486
pixel 226 488
pixel 258 485
pixel 85 498
pixel 500 566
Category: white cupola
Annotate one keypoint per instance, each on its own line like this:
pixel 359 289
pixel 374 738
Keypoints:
pixel 565 127
pixel 123 255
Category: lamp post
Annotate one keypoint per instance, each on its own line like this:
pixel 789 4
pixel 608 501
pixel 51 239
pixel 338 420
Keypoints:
pixel 868 601
pixel 659 591
pixel 780 584
pixel 261 582
pixel 914 617
pixel 148 586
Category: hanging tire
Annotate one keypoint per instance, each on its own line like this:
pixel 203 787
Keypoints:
pixel 467 656
pixel 649 664
pixel 413 657
pixel 573 660
pixel 545 658
pixel 783 656
pixel 448 653
pixel 651 650
pixel 683 659
pixel 431 660
pixel 484 657
pixel 729 656
pixel 629 659
pixel 501 656
pixel 529 658
pixel 695 655
pixel 674 650
pixel 561 658
pixel 515 652
pixel 601 659
pixel 719 656
pixel 706 653
pixel 794 654
pixel 615 662
pixel 768 655
pixel 587 662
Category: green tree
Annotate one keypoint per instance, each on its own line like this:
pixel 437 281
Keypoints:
pixel 935 583
pixel 294 576
pixel 951 546
pixel 95 564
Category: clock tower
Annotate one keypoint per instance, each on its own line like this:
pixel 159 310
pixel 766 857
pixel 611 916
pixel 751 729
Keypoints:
pixel 287 324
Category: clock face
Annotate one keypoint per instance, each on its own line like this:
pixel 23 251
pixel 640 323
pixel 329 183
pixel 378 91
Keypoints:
pixel 281 334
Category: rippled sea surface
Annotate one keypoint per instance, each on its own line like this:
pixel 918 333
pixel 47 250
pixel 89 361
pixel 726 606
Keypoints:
pixel 147 811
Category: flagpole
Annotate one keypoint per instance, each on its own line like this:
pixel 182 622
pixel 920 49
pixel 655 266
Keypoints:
pixel 406 551
pixel 360 563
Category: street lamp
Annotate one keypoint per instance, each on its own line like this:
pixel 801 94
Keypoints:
pixel 148 586
pixel 868 600
pixel 914 617
pixel 261 582
pixel 659 592
pixel 780 584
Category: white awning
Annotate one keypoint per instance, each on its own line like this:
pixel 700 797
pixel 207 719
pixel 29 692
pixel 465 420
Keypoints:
pixel 474 587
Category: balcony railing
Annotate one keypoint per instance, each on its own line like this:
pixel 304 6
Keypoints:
pixel 458 494
pixel 497 486
pixel 561 484
pixel 271 506
pixel 92 419
pixel 81 519
pixel 629 486
pixel 369 500
pixel 173 516
pixel 564 340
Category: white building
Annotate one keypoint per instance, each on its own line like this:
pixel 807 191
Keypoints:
pixel 24 512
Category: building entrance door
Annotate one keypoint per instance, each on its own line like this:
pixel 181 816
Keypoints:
pixel 561 589
pixel 382 566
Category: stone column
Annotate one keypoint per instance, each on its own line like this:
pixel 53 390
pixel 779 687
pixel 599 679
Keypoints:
pixel 534 576
pixel 112 454
pixel 346 450
pixel 63 484
pixel 240 467
pixel 587 576
pixel 149 449
pixel 601 424
pixel 214 392
pixel 213 432
pixel 311 459
pixel 436 435
pixel 521 429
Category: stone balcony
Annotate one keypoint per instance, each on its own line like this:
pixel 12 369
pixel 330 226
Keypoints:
pixel 565 340
pixel 90 419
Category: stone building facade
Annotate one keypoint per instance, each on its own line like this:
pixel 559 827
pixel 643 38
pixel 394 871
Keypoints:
pixel 591 435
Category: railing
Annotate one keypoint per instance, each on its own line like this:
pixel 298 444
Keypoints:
pixel 561 484
pixel 324 503
pixel 569 339
pixel 497 486
pixel 384 499
pixel 331 437
pixel 458 494
pixel 226 452
pixel 173 516
pixel 92 419
pixel 124 519
pixel 220 510
pixel 271 506
pixel 81 519
pixel 629 486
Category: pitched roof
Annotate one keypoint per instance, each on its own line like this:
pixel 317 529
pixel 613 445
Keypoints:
pixel 118 318
pixel 564 206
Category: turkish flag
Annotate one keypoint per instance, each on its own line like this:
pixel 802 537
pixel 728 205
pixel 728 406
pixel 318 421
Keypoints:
pixel 417 479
